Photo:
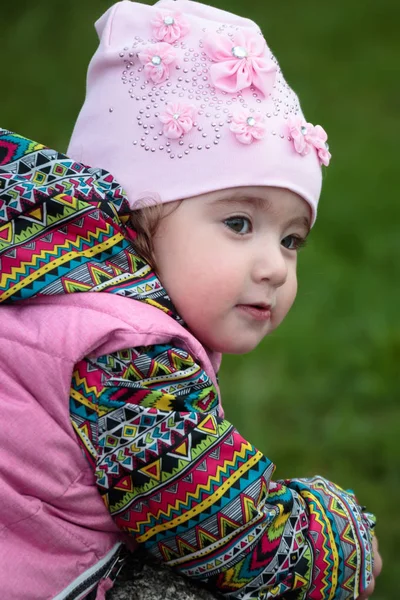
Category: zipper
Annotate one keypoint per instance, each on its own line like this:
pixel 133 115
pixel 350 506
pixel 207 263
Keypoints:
pixel 108 567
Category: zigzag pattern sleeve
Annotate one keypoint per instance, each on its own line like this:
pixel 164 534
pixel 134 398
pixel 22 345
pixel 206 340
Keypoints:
pixel 199 497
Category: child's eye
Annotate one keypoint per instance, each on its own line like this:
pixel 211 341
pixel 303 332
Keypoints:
pixel 293 242
pixel 240 225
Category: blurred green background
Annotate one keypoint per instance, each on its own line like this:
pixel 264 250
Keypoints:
pixel 321 395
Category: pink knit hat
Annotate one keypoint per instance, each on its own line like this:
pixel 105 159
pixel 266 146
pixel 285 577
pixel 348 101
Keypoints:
pixel 184 98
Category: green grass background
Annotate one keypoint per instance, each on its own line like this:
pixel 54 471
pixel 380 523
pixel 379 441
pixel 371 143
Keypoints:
pixel 321 395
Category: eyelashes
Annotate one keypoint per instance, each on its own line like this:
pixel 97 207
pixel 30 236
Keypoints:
pixel 238 224
pixel 293 242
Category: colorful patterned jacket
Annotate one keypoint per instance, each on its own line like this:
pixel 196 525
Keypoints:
pixel 111 423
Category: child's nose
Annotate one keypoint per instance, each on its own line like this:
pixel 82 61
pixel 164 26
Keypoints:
pixel 271 266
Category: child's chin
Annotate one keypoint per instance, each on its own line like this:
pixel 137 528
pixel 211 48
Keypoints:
pixel 235 346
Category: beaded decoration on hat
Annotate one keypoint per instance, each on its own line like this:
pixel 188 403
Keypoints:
pixel 194 79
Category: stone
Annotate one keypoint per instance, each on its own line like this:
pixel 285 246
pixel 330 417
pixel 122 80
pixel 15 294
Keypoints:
pixel 144 579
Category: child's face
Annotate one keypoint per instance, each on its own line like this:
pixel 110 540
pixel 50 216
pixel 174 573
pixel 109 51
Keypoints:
pixel 228 261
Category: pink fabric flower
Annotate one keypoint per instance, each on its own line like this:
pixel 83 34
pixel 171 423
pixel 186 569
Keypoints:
pixel 178 119
pixel 169 26
pixel 156 60
pixel 320 141
pixel 306 136
pixel 240 62
pixel 248 127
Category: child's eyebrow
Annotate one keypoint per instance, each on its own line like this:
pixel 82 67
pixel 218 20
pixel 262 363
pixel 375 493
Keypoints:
pixel 261 203
pixel 302 221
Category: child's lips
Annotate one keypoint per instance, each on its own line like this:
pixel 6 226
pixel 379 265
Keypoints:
pixel 259 312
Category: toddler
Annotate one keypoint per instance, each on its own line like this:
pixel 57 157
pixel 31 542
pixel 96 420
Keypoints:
pixel 122 284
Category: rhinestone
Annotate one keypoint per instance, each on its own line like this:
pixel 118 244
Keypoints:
pixel 110 109
pixel 156 60
pixel 239 52
pixel 303 130
pixel 326 146
pixel 251 121
pixel 176 116
pixel 169 21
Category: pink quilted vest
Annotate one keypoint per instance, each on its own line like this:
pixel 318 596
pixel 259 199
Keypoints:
pixel 56 536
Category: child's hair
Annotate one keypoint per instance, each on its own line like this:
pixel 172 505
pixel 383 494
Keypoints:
pixel 145 222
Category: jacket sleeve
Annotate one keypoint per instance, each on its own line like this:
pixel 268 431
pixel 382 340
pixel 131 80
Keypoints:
pixel 199 497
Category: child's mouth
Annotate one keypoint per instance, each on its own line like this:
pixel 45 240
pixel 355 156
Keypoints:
pixel 260 312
